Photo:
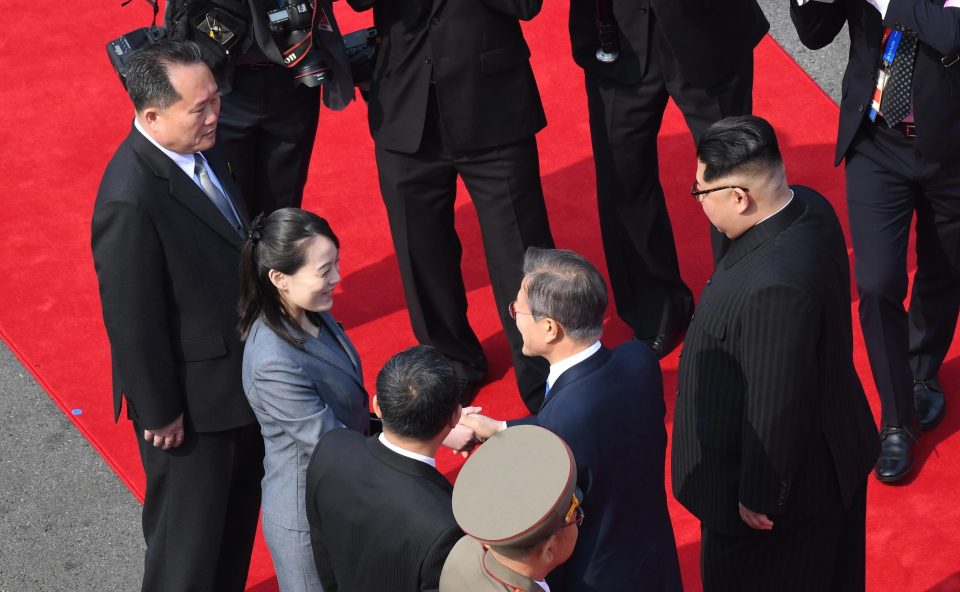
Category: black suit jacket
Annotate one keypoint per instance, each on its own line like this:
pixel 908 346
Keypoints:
pixel 936 87
pixel 708 37
pixel 168 266
pixel 770 410
pixel 378 520
pixel 609 409
pixel 476 56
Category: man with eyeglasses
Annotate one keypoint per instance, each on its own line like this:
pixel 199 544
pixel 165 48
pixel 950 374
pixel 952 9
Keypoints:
pixel 516 498
pixel 773 438
pixel 607 405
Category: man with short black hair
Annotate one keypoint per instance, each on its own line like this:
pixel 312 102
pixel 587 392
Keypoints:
pixel 607 405
pixel 379 511
pixel 167 232
pixel 773 437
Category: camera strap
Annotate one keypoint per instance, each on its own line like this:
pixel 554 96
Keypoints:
pixel 153 3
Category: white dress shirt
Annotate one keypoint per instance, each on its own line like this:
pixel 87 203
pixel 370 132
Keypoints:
pixel 186 162
pixel 404 452
pixel 565 364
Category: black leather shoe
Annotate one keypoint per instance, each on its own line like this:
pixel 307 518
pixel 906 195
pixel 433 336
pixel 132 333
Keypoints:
pixel 665 343
pixel 928 402
pixel 896 454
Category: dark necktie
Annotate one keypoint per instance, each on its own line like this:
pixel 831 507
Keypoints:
pixel 215 195
pixel 898 92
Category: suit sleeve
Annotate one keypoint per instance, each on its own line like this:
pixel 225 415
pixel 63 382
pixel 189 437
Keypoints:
pixel 432 565
pixel 289 397
pixel 818 23
pixel 129 260
pixel 936 26
pixel 320 556
pixel 780 361
pixel 523 10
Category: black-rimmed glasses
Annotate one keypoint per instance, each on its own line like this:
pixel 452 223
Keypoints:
pixel 700 194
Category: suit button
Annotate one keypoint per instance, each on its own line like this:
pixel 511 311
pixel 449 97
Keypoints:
pixel 435 21
pixel 428 60
pixel 644 10
pixel 860 108
pixel 693 316
pixel 710 281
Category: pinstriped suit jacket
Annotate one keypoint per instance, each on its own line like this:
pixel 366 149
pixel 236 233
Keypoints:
pixel 770 411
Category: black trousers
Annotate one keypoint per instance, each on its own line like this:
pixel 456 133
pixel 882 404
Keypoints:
pixel 200 510
pixel 266 130
pixel 888 181
pixel 634 224
pixel 823 554
pixel 419 191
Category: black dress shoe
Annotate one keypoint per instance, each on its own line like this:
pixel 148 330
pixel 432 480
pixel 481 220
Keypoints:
pixel 896 454
pixel 928 402
pixel 665 343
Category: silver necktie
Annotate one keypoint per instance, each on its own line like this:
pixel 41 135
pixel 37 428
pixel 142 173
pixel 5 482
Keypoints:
pixel 215 195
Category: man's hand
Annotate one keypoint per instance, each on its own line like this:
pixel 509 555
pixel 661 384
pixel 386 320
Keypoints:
pixel 167 437
pixel 482 426
pixel 461 439
pixel 754 520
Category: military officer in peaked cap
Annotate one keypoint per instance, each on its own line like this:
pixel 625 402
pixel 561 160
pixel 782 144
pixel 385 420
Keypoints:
pixel 516 499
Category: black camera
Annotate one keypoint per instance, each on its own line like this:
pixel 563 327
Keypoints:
pixel 292 26
pixel 119 50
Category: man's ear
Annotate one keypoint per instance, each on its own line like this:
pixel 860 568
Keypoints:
pixel 375 404
pixel 549 550
pixel 553 331
pixel 743 201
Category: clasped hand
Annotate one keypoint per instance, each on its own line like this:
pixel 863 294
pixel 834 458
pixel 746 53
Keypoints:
pixel 472 430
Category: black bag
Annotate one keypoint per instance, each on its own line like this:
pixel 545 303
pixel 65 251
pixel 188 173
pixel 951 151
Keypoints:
pixel 214 28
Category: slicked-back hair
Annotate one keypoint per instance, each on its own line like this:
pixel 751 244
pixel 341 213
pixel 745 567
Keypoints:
pixel 278 241
pixel 566 287
pixel 418 393
pixel 148 72
pixel 743 144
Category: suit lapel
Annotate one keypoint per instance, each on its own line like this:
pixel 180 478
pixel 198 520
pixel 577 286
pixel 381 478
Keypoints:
pixel 341 336
pixel 312 348
pixel 575 373
pixel 406 465
pixel 184 190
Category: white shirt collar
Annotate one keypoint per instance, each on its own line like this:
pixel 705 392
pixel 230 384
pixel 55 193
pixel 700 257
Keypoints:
pixel 565 364
pixel 186 162
pixel 543 584
pixel 404 452
pixel 780 209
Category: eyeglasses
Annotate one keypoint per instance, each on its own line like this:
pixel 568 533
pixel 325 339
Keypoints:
pixel 701 194
pixel 574 514
pixel 512 309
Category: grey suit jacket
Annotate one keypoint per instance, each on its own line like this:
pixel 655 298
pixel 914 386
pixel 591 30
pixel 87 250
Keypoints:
pixel 298 394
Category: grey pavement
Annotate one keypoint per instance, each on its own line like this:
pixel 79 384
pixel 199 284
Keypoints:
pixel 67 522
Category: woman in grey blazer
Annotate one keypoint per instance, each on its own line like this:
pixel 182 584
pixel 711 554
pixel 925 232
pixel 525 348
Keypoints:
pixel 301 374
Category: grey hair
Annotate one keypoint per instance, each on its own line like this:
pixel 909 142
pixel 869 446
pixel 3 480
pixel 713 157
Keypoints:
pixel 566 287
pixel 148 72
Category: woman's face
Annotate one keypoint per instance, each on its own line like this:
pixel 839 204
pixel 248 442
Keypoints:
pixel 311 287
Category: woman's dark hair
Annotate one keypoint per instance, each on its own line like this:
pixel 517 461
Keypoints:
pixel 278 241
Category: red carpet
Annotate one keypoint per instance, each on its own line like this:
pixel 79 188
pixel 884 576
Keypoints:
pixel 64 113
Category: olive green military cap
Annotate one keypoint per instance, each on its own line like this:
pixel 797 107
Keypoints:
pixel 517 488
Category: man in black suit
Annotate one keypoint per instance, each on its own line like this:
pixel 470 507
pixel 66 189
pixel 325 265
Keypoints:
pixel 270 104
pixel 379 511
pixel 453 95
pixel 607 405
pixel 902 157
pixel 167 232
pixel 698 52
pixel 773 437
